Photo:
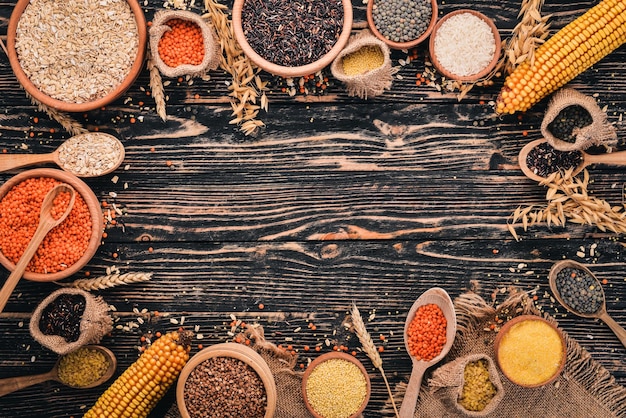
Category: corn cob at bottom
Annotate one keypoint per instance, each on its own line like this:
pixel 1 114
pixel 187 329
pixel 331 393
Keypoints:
pixel 136 392
pixel 572 50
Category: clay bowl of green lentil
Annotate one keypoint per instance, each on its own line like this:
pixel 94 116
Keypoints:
pixel 402 24
pixel 68 247
pixel 76 56
pixel 336 385
pixel 581 293
pixel 88 367
pixel 227 379
pixel 292 38
pixel 465 45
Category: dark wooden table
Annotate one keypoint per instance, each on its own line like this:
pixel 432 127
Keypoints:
pixel 337 200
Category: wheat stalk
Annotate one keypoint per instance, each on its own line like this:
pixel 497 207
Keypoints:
pixel 370 348
pixel 68 123
pixel 110 280
pixel 156 86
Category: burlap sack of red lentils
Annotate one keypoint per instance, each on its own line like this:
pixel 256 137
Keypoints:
pixel 289 401
pixel 585 389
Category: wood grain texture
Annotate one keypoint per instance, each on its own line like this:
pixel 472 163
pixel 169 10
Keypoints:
pixel 337 200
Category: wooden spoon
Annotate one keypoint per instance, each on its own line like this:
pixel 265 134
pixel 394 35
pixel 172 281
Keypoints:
pixel 46 223
pixel 611 158
pixel 11 161
pixel 441 298
pixel 12 384
pixel 601 313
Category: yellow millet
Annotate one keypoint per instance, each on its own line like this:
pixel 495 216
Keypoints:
pixel 478 390
pixel 364 59
pixel 336 388
pixel 82 367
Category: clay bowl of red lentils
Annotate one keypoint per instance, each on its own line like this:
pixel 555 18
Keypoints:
pixel 336 385
pixel 230 379
pixel 68 247
pixel 82 62
pixel 294 39
pixel 465 45
pixel 384 21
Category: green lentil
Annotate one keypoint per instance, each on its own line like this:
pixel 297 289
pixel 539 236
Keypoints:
pixel 362 60
pixel 477 390
pixel 569 119
pixel 82 367
pixel 402 20
pixel 336 388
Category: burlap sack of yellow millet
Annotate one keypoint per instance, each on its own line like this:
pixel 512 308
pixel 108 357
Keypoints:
pixel 448 380
pixel 212 48
pixel 370 83
pixel 599 132
pixel 95 322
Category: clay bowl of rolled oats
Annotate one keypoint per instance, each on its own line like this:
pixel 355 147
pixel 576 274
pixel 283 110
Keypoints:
pixel 76 56
pixel 227 379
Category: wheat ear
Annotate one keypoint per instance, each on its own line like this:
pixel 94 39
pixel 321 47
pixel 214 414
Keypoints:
pixel 110 280
pixel 156 86
pixel 370 348
pixel 68 123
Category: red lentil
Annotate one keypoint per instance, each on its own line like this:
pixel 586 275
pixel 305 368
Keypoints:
pixel 183 44
pixel 62 246
pixel 427 332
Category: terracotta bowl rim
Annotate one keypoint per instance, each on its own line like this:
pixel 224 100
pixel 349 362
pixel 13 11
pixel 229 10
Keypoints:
pixel 401 45
pixel 329 356
pixel 484 71
pixel 42 97
pixel 233 350
pixel 529 317
pixel 93 204
pixel 291 72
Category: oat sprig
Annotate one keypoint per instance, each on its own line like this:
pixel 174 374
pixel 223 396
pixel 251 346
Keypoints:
pixel 156 87
pixel 370 348
pixel 568 198
pixel 247 90
pixel 107 281
pixel 531 31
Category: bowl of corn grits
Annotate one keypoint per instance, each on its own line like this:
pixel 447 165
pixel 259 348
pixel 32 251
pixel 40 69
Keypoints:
pixel 530 351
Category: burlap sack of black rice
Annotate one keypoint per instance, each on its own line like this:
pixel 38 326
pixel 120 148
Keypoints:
pixel 212 49
pixel 448 382
pixel 574 121
pixel 373 74
pixel 70 318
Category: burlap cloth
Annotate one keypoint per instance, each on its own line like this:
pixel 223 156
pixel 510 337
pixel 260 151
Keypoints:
pixel 585 389
pixel 289 402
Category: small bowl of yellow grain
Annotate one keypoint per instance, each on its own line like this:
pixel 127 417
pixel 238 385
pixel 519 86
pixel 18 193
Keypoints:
pixel 530 351
pixel 336 385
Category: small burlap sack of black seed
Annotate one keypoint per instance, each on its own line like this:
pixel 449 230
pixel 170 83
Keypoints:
pixel 69 319
pixel 449 380
pixel 212 49
pixel 364 66
pixel 574 121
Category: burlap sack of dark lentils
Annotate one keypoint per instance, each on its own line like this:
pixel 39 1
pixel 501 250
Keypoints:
pixel 585 389
pixel 289 401
pixel 212 49
pixel 368 51
pixel 574 121
pixel 95 322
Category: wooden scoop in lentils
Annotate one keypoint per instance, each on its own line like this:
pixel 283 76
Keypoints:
pixel 19 215
pixel 77 51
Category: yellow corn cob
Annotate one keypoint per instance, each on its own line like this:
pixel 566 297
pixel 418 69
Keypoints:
pixel 136 392
pixel 568 53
